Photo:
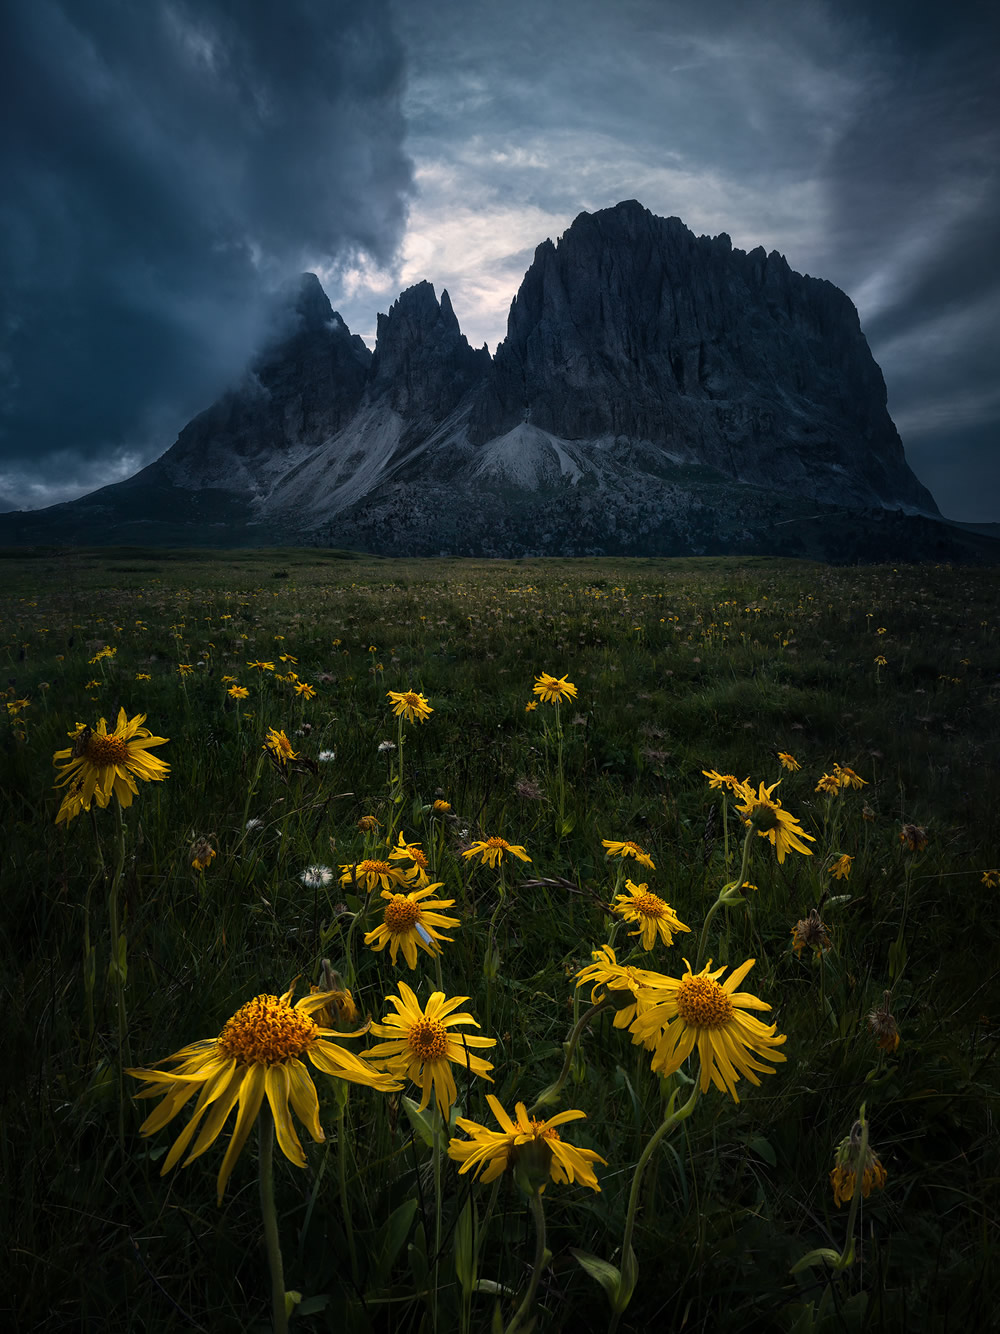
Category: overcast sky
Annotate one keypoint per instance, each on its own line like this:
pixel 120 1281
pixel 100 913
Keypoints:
pixel 165 165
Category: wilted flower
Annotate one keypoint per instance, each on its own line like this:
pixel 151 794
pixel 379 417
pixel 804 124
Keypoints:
pixel 883 1025
pixel 368 824
pixel 788 761
pixel 841 868
pixel 849 1162
pixel 913 837
pixel 810 933
pixel 202 854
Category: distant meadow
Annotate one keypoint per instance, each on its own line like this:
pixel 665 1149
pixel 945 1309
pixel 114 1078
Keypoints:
pixel 454 945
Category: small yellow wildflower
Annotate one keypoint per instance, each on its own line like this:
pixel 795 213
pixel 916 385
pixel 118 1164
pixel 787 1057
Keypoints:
pixel 841 868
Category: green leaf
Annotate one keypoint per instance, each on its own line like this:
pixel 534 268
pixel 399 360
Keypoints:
pixel 465 1255
pixel 606 1274
pixel 422 1122
pixel 759 1145
pixel 391 1238
pixel 630 1277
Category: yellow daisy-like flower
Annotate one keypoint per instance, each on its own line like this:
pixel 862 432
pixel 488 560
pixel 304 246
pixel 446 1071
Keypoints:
pixel 630 990
pixel 538 1144
pixel 718 781
pixel 185 668
pixel 628 849
pixel 237 692
pixel 491 850
pixel 422 1049
pixel 788 761
pixel 841 868
pixel 991 879
pixel 698 1010
pixel 764 814
pixel 102 764
pixel 261 666
pixel 409 705
pixel 304 690
pixel 828 783
pixel 441 807
pixel 371 874
pixel 257 1053
pixel 413 853
pixel 553 689
pixel 849 1161
pixel 409 923
pixel 279 747
pixel 654 917
pixel 848 778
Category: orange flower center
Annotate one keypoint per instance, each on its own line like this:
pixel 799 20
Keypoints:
pixel 702 1003
pixel 267 1031
pixel 649 905
pixel 634 848
pixel 497 843
pixel 401 914
pixel 105 750
pixel 428 1039
pixel 412 700
pixel 376 868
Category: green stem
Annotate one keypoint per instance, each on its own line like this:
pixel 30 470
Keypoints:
pixel 722 899
pixel 670 1120
pixel 538 1213
pixel 342 1188
pixel 269 1215
pixel 437 1218
pixel 551 1094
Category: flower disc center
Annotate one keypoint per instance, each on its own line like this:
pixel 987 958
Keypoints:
pixel 428 1039
pixel 105 750
pixel 401 914
pixel 649 905
pixel 702 1003
pixel 497 843
pixel 267 1031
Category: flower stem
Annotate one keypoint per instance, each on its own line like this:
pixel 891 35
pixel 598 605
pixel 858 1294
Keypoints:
pixel 269 1215
pixel 669 1121
pixel 551 1094
pixel 342 1186
pixel 722 899
pixel 522 1312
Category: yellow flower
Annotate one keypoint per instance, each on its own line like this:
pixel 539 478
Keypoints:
pixel 262 666
pixel 881 661
pixel 764 814
pixel 991 879
pixel 371 875
pixel 412 852
pixel 631 990
pixel 409 923
pixel 531 706
pixel 552 689
pixel 841 868
pixel 305 691
pixel 185 668
pixel 848 1162
pixel 490 1153
pixel 848 778
pixel 368 824
pixel 422 1049
pixel 202 854
pixel 788 761
pixel 653 916
pixel 717 780
pixel 696 1010
pixel 279 747
pixel 237 692
pixel 441 807
pixel 628 849
pixel 491 850
pixel 143 676
pixel 828 783
pixel 258 1052
pixel 101 764
pixel 409 705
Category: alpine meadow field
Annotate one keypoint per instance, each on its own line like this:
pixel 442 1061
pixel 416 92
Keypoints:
pixel 470 946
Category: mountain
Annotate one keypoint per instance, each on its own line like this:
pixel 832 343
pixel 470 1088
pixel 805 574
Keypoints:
pixel 656 393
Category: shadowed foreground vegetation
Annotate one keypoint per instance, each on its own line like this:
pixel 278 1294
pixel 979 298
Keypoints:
pixel 680 666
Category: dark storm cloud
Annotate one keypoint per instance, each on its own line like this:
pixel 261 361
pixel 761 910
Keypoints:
pixel 165 166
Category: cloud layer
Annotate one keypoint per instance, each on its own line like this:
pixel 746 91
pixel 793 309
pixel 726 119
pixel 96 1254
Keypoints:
pixel 166 166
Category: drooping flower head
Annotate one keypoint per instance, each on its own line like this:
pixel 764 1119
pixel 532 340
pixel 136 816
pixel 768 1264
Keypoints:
pixel 854 1156
pixel 491 851
pixel 415 855
pixel 882 1024
pixel 202 854
pixel 553 689
pixel 279 748
pixel 913 837
pixel 257 1053
pixel 627 848
pixel 653 916
pixel 372 874
pixel 102 764
pixel 698 1010
pixel 810 933
pixel 848 778
pixel 840 869
pixel 719 781
pixel 422 1046
pixel 631 990
pixel 411 921
pixel 828 783
pixel 523 1141
pixel 788 761
pixel 764 814
pixel 409 705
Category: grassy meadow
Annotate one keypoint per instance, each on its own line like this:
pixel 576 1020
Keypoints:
pixel 117 951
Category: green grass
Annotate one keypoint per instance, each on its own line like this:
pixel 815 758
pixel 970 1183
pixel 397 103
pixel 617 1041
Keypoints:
pixel 681 666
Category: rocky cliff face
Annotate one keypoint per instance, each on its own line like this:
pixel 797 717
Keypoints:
pixel 656 393
pixel 633 328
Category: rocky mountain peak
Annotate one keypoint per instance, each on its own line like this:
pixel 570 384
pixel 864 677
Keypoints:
pixel 423 364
